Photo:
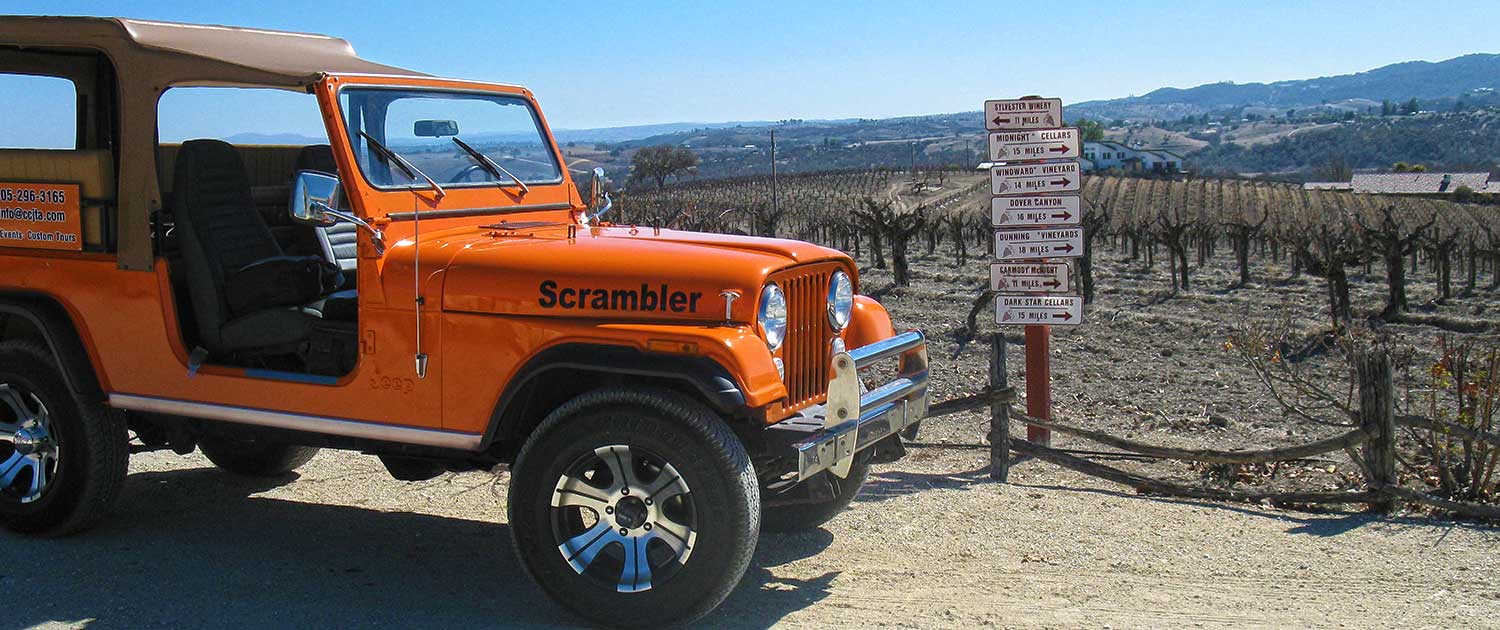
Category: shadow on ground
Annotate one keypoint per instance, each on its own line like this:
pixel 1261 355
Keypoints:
pixel 884 485
pixel 887 485
pixel 1324 523
pixel 194 549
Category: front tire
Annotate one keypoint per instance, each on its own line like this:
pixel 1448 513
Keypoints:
pixel 255 457
pixel 635 507
pixel 62 460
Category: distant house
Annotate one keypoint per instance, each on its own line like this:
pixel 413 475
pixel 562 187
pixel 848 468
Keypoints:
pixel 1327 186
pixel 1417 183
pixel 1412 183
pixel 1115 155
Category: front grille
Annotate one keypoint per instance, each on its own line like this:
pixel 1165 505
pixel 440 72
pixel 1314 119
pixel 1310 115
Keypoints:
pixel 808 334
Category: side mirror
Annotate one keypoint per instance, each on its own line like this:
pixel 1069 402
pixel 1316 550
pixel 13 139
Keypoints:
pixel 599 201
pixel 314 195
pixel 315 201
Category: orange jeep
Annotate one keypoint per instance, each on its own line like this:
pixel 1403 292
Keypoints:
pixel 428 286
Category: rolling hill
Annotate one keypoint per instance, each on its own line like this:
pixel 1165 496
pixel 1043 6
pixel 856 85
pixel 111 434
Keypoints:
pixel 1423 80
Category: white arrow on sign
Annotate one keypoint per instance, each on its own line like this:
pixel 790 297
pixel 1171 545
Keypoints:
pixel 1023 113
pixel 1021 179
pixel 1029 244
pixel 1050 144
pixel 1035 211
pixel 1033 310
pixel 1031 277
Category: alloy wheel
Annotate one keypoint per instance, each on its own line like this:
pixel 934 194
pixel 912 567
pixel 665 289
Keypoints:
pixel 623 517
pixel 28 446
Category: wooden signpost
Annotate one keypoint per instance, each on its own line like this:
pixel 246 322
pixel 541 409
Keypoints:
pixel 1023 113
pixel 1031 277
pixel 1046 144
pixel 1032 179
pixel 1036 309
pixel 1035 220
pixel 1034 244
pixel 1036 211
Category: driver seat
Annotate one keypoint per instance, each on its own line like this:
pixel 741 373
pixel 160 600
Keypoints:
pixel 245 293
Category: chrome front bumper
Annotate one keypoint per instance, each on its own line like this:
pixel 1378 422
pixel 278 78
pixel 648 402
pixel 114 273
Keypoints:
pixel 850 421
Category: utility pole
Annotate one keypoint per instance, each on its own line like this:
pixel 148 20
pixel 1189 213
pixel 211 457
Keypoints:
pixel 775 202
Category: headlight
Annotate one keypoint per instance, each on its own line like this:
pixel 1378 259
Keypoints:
pixel 840 300
pixel 772 318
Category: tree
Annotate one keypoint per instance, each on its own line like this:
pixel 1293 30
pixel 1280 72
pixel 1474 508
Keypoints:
pixel 1394 236
pixel 1246 220
pixel 896 227
pixel 1335 169
pixel 1090 130
pixel 1412 106
pixel 662 161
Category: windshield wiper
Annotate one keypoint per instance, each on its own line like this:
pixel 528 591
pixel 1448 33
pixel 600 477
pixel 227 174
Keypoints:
pixel 406 167
pixel 489 165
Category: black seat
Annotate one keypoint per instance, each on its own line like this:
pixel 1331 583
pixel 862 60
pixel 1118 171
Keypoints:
pixel 247 296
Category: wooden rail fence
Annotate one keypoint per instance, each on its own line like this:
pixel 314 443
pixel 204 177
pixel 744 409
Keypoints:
pixel 1371 445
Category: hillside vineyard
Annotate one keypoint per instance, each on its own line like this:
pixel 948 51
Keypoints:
pixel 1318 232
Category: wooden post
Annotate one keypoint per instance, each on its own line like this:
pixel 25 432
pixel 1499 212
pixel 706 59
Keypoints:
pixel 1039 381
pixel 999 413
pixel 1377 415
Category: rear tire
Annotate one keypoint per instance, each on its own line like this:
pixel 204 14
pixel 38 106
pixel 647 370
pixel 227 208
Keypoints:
pixel 255 457
pixel 62 460
pixel 798 517
pixel 635 507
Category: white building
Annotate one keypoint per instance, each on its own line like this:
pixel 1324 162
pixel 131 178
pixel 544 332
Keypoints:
pixel 1115 155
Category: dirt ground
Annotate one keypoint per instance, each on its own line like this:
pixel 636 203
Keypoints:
pixel 931 542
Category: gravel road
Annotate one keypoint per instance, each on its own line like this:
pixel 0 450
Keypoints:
pixel 930 543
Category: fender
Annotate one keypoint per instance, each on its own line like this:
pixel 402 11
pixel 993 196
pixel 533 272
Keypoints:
pixel 61 336
pixel 868 323
pixel 712 381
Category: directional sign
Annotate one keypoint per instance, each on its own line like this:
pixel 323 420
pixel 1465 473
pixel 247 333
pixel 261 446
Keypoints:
pixel 1050 144
pixel 1029 244
pixel 1038 310
pixel 1031 277
pixel 1024 113
pixel 1035 211
pixel 1020 179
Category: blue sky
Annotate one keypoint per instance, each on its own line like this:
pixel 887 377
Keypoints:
pixel 623 63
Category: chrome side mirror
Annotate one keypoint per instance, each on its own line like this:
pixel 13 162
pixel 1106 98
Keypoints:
pixel 315 201
pixel 599 201
pixel 314 195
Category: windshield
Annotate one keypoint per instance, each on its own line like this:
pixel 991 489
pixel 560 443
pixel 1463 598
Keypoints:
pixel 421 126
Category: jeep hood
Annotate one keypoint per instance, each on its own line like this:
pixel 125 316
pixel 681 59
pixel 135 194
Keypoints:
pixel 610 273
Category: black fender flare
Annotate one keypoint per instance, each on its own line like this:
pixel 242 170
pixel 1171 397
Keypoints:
pixel 61 336
pixel 714 383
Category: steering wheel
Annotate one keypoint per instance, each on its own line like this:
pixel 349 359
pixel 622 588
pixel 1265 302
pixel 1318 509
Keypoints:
pixel 463 175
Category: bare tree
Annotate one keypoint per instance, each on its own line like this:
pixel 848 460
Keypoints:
pixel 1334 244
pixel 896 228
pixel 1395 236
pixel 1245 218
